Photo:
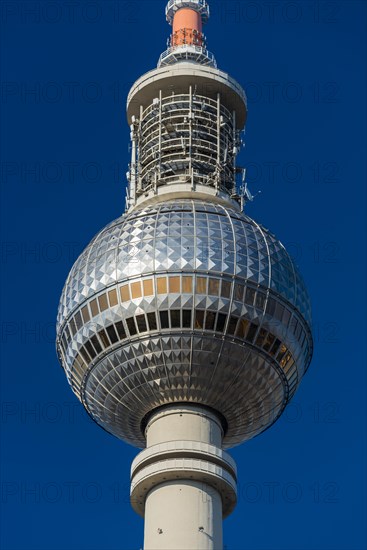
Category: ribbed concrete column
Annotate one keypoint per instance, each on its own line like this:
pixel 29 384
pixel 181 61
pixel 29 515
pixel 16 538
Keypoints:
pixel 183 483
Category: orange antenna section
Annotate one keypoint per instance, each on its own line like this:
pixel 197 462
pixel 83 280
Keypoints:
pixel 187 42
pixel 187 28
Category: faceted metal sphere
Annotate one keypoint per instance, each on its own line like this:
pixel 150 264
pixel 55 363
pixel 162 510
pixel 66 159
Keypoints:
pixel 184 301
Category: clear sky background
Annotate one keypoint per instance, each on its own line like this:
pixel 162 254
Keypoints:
pixel 66 70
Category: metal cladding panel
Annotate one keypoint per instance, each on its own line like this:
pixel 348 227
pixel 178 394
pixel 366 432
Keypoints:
pixel 184 235
pixel 184 301
pixel 124 387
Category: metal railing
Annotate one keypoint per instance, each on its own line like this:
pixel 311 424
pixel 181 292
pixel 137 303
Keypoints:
pixel 187 52
pixel 186 133
pixel 198 5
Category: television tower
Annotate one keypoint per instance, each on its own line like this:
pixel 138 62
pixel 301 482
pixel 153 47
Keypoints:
pixel 184 327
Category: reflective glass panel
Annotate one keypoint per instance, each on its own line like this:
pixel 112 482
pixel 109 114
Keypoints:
pixel 112 296
pixel 94 307
pixel 90 349
pixel 131 326
pixel 104 339
pixel 96 344
pixel 112 334
pixel 268 341
pixel 251 332
pixel 279 309
pixel 152 321
pixel 242 328
pixel 287 362
pixel 162 285
pixel 270 306
pixel 282 351
pixel 85 314
pixel 174 285
pixel 125 294
pixel 136 290
pixel 67 332
pixel 72 327
pixel 199 318
pixel 148 287
pixel 221 321
pixel 186 318
pixel 210 320
pixel 78 320
pixel 141 322
pixel 238 292
pixel 275 347
pixel 232 325
pixel 175 318
pixel 260 300
pixel 214 287
pixel 164 319
pixel 187 285
pixel 201 285
pixel 102 300
pixel 120 330
pixel 84 354
pixel 226 289
pixel 250 296
pixel 261 337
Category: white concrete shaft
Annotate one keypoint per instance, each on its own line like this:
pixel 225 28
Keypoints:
pixel 185 514
pixel 180 423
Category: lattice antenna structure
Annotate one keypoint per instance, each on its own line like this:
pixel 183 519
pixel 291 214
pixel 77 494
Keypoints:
pixel 184 327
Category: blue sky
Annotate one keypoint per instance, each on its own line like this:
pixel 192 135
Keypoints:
pixel 66 69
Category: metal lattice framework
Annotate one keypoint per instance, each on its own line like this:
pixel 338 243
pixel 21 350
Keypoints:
pixel 186 138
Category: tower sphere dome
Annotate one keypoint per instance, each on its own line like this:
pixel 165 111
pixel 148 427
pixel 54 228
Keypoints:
pixel 185 301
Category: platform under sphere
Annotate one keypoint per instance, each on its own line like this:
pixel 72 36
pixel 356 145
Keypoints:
pixel 184 301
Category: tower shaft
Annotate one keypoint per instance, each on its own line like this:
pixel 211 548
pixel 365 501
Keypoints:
pixel 183 482
pixel 190 516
